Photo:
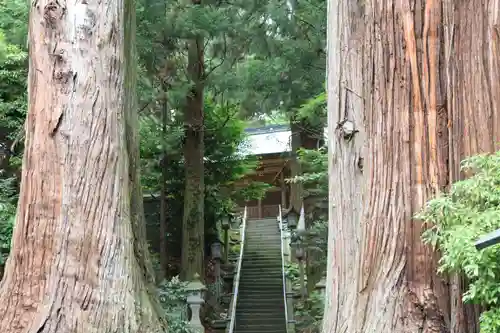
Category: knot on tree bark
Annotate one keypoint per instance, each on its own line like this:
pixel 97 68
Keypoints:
pixel 53 12
pixel 347 129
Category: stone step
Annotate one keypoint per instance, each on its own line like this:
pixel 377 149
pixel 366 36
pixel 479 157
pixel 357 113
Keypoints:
pixel 251 324
pixel 274 275
pixel 276 321
pixel 268 304
pixel 249 330
pixel 253 329
pixel 263 267
pixel 260 274
pixel 262 252
pixel 262 314
pixel 261 260
pixel 256 219
pixel 275 301
pixel 276 310
pixel 275 244
pixel 260 307
pixel 264 241
pixel 261 255
pixel 276 316
pixel 278 285
pixel 260 277
pixel 261 240
pixel 272 229
pixel 251 306
pixel 256 259
pixel 267 256
pixel 267 293
pixel 276 293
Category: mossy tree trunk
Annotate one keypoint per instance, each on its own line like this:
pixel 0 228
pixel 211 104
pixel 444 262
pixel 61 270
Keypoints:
pixel 79 261
pixel 418 84
pixel 194 195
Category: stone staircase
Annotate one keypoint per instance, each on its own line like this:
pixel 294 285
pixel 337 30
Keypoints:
pixel 260 307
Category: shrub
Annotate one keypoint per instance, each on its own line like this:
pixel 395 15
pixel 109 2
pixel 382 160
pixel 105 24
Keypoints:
pixel 173 294
pixel 456 220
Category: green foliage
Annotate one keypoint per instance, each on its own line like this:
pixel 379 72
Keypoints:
pixel 14 21
pixel 223 165
pixel 314 171
pixel 315 180
pixel 8 200
pixel 172 296
pixel 3 47
pixel 308 313
pixel 7 218
pixel 314 110
pixel 457 219
pixel 286 64
pixel 254 190
pixel 13 91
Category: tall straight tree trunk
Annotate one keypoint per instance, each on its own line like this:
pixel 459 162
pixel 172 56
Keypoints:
pixel 193 224
pixel 163 187
pixel 419 81
pixel 79 260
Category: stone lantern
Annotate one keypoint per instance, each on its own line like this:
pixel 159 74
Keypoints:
pixel 226 224
pixel 195 300
pixel 291 217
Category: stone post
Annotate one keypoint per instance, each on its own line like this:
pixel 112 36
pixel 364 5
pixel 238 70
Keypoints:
pixel 195 301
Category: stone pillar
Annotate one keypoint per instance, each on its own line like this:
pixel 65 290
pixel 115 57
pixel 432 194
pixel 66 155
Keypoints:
pixel 195 301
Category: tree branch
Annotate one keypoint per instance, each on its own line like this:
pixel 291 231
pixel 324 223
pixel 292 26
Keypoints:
pixel 210 71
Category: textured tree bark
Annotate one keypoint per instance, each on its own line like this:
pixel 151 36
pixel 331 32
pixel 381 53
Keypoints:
pixel 427 73
pixel 194 195
pixel 163 187
pixel 345 163
pixel 79 261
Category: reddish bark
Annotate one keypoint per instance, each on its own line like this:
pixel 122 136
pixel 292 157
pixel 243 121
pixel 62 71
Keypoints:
pixel 419 81
pixel 79 259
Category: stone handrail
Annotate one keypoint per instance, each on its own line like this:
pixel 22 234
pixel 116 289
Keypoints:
pixel 287 288
pixel 234 299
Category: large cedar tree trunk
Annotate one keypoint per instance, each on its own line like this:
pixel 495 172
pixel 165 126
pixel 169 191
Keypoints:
pixel 194 195
pixel 79 261
pixel 419 82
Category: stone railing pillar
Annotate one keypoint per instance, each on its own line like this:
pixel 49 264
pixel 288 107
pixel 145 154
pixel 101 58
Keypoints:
pixel 195 301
